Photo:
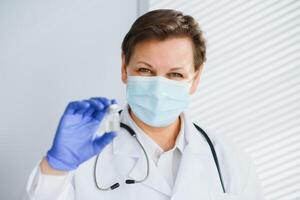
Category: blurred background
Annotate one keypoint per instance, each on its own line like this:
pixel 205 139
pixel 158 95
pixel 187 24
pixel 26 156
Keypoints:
pixel 53 52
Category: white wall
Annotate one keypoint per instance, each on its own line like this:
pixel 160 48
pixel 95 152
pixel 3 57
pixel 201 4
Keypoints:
pixel 52 52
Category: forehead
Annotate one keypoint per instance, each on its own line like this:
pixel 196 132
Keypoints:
pixel 168 53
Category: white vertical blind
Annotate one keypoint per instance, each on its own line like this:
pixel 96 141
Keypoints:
pixel 250 87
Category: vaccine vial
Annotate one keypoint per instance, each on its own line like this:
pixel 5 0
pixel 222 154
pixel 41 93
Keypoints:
pixel 112 118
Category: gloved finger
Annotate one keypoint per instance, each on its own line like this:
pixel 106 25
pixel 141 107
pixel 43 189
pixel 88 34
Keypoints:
pixel 94 106
pixel 83 106
pixel 113 101
pixel 99 110
pixel 100 142
pixel 71 107
pixel 98 114
pixel 98 105
pixel 105 101
pixel 89 111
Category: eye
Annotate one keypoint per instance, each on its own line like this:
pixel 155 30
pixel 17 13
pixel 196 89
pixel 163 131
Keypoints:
pixel 175 75
pixel 144 71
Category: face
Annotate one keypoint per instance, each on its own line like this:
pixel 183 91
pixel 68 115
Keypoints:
pixel 172 58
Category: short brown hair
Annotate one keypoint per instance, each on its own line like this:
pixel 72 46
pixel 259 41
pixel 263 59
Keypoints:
pixel 164 23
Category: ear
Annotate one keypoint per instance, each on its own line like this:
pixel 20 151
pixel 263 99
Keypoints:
pixel 196 80
pixel 123 69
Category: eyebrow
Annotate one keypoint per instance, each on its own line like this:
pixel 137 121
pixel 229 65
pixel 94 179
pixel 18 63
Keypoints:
pixel 145 64
pixel 172 69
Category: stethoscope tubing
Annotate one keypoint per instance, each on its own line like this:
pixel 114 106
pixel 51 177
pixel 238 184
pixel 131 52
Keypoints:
pixel 131 181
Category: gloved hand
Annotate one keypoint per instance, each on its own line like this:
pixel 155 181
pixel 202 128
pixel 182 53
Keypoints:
pixel 73 143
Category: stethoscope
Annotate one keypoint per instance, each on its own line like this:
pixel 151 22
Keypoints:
pixel 131 181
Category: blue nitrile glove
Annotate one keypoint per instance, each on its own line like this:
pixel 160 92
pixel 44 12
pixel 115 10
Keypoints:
pixel 74 141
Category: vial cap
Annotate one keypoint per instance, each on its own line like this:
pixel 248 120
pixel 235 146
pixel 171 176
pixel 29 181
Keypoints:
pixel 113 107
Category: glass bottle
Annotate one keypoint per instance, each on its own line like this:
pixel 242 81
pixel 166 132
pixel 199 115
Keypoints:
pixel 112 122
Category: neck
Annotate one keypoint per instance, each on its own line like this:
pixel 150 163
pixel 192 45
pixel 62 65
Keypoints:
pixel 165 137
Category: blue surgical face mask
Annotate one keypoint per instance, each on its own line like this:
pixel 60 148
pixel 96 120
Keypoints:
pixel 156 100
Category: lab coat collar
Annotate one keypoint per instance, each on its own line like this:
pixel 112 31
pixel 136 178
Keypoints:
pixel 125 145
pixel 152 148
pixel 192 168
pixel 155 179
pixel 130 148
pixel 195 140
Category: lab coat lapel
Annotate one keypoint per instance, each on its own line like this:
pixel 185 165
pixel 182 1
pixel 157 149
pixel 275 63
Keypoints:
pixel 155 180
pixel 126 146
pixel 188 184
pixel 196 167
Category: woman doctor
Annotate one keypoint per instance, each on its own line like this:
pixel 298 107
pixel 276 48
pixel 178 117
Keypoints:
pixel 162 59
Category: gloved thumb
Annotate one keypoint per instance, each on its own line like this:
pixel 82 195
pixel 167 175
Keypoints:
pixel 100 142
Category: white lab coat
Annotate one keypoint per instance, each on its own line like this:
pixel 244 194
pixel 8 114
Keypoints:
pixel 197 176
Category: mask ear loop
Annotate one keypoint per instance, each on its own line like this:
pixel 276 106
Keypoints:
pixel 189 83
